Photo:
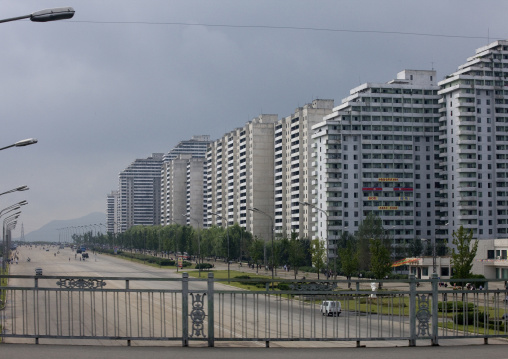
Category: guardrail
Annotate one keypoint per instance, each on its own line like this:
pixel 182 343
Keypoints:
pixel 187 309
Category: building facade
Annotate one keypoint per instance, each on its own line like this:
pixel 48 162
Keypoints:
pixel 293 170
pixel 173 178
pixel 139 193
pixel 240 172
pixel 474 144
pixel 378 152
pixel 112 212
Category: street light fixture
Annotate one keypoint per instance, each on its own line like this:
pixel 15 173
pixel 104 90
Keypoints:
pixel 59 13
pixel 434 251
pixel 20 189
pixel 326 231
pixel 22 143
pixel 227 235
pixel 273 248
pixel 10 218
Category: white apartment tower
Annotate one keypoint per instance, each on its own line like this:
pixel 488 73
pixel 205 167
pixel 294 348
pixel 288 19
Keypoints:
pixel 173 178
pixel 378 152
pixel 240 174
pixel 140 193
pixel 112 212
pixel 474 144
pixel 175 190
pixel 294 167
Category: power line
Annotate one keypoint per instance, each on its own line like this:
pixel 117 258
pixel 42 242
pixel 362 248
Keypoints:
pixel 269 27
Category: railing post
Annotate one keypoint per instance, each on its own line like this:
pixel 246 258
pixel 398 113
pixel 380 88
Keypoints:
pixel 126 289
pixel 36 308
pixel 435 299
pixel 412 310
pixel 185 309
pixel 211 335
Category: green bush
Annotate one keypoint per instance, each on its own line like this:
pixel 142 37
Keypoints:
pixel 204 266
pixel 260 284
pixel 166 262
pixel 458 306
pixel 471 317
pixel 283 286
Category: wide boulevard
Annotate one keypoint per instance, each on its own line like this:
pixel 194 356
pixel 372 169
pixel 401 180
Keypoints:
pixel 65 262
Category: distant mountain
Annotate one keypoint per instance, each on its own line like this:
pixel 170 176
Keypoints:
pixel 50 233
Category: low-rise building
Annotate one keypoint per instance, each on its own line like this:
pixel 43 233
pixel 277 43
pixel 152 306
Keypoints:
pixel 491 259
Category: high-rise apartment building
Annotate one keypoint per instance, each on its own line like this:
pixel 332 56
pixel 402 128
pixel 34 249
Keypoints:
pixel 378 152
pixel 294 167
pixel 112 212
pixel 140 193
pixel 240 170
pixel 175 190
pixel 174 179
pixel 195 205
pixel 474 144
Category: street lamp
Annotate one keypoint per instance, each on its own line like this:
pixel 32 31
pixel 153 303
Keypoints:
pixel 60 13
pixel 20 189
pixel 434 251
pixel 10 218
pixel 227 235
pixel 273 248
pixel 9 209
pixel 326 231
pixel 13 207
pixel 22 143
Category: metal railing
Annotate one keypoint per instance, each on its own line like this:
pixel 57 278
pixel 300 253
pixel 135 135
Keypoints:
pixel 187 309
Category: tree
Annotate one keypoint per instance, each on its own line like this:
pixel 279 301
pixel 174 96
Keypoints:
pixel 349 260
pixel 318 252
pixel 296 253
pixel 370 228
pixel 380 263
pixel 256 251
pixel 463 256
pixel 415 248
pixel 342 243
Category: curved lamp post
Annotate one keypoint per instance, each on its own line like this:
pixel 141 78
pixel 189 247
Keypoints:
pixel 326 231
pixel 20 189
pixel 7 220
pixel 22 143
pixel 59 13
pixel 273 248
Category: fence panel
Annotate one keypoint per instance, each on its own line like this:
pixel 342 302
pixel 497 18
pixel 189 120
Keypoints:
pixel 189 309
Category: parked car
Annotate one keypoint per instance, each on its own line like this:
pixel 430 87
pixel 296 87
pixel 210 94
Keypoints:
pixel 330 307
pixel 38 271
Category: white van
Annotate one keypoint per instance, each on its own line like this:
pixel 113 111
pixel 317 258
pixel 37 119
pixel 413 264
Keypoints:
pixel 329 307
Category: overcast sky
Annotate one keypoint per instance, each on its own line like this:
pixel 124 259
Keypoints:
pixel 127 78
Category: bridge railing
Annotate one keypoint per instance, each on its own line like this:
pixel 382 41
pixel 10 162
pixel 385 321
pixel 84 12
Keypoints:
pixel 163 310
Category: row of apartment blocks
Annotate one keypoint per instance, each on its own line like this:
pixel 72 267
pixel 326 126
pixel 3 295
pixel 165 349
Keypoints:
pixel 426 157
